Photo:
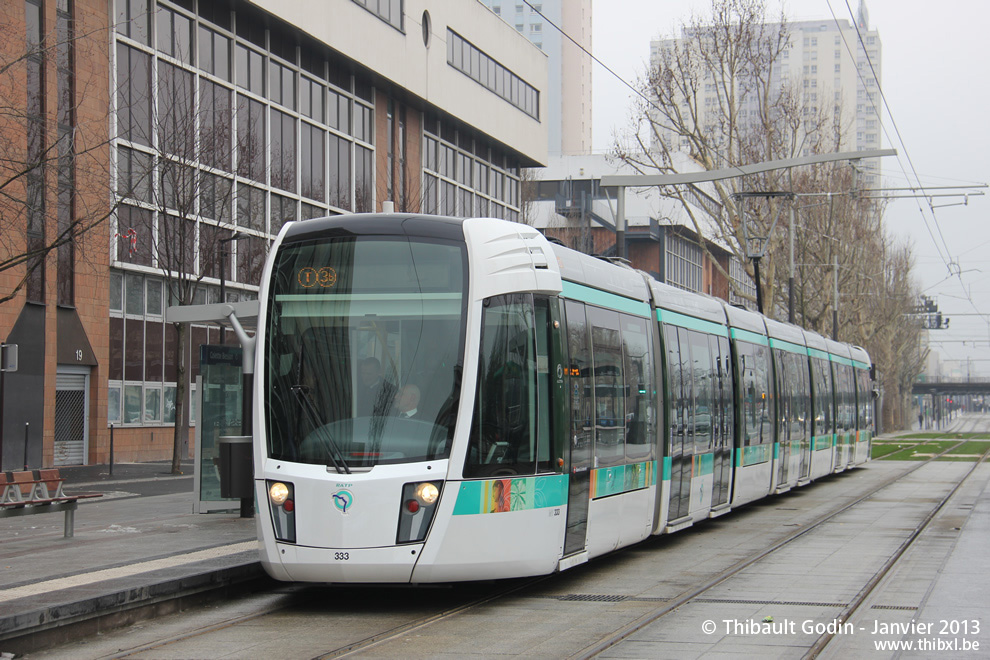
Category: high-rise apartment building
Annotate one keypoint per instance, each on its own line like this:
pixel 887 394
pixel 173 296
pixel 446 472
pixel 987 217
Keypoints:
pixel 568 67
pixel 833 66
pixel 189 132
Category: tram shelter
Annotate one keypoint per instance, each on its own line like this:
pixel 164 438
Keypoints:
pixel 223 401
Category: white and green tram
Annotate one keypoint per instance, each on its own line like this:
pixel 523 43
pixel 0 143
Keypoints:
pixel 443 399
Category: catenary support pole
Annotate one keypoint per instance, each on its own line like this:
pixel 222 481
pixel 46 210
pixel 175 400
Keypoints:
pixel 620 223
pixel 790 277
pixel 835 297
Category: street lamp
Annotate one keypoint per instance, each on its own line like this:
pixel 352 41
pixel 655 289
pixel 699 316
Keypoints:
pixel 236 236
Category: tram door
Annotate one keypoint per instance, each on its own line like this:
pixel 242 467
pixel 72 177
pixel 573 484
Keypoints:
pixel 721 419
pixel 784 413
pixel 681 427
pixel 579 382
pixel 806 415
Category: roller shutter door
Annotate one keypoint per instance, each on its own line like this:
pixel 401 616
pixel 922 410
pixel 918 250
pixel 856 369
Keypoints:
pixel 71 423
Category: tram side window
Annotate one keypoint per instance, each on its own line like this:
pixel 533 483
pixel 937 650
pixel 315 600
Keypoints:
pixel 802 394
pixel 863 397
pixel 845 398
pixel 723 391
pixel 610 387
pixel 797 394
pixel 503 432
pixel 850 398
pixel 701 374
pixel 757 419
pixel 687 389
pixel 638 362
pixel 823 397
pixel 675 380
pixel 580 381
pixel 783 397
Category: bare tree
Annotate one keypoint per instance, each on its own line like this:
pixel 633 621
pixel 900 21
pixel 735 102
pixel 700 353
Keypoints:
pixel 721 96
pixel 718 95
pixel 47 146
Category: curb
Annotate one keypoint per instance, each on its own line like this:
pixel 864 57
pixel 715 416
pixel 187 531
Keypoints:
pixel 51 625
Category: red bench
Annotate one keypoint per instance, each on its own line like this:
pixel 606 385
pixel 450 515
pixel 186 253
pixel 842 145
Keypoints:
pixel 39 491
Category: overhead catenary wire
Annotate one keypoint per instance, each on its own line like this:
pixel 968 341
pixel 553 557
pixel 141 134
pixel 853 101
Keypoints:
pixel 587 52
pixel 943 250
pixel 938 241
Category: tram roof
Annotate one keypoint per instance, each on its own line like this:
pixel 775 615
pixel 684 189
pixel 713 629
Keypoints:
pixel 599 274
pixel 815 340
pixel 385 224
pixel 785 331
pixel 745 319
pixel 837 348
pixel 859 354
pixel 690 303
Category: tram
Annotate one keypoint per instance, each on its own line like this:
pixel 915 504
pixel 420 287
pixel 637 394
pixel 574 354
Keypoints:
pixel 444 399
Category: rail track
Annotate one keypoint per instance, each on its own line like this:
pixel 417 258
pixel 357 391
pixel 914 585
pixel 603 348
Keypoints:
pixel 443 607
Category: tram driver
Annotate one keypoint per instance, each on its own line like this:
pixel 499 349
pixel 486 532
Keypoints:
pixel 375 394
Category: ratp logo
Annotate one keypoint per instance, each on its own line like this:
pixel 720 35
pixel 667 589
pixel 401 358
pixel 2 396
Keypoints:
pixel 342 501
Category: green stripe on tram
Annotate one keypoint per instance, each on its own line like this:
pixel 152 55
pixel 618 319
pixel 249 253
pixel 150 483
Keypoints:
pixel 788 346
pixel 502 495
pixel 667 468
pixel 746 335
pixel 815 353
pixel 605 299
pixel 691 323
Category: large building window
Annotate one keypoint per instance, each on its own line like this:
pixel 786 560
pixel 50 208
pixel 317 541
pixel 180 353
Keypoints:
pixel 35 176
pixel 474 63
pixel 66 119
pixel 133 94
pixel 464 177
pixel 684 263
pixel 133 19
pixel 389 11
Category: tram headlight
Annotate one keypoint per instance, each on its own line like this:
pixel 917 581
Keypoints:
pixel 282 505
pixel 427 493
pixel 416 510
pixel 279 493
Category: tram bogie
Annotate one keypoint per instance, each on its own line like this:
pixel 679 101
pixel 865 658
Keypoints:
pixel 445 400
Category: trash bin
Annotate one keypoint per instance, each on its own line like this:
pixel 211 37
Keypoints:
pixel 236 466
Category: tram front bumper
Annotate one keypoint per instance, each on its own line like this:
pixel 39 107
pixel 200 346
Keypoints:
pixel 359 565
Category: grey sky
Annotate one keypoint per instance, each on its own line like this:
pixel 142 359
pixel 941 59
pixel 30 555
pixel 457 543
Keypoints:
pixel 936 78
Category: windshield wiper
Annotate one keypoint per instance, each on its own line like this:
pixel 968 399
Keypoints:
pixel 301 393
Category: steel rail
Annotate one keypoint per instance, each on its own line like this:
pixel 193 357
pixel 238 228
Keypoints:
pixel 871 585
pixel 689 595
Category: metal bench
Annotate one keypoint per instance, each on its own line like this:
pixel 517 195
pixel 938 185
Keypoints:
pixel 39 491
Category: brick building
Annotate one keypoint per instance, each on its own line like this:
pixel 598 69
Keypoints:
pixel 197 129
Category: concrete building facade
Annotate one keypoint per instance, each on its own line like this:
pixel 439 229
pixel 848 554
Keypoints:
pixel 222 120
pixel 568 66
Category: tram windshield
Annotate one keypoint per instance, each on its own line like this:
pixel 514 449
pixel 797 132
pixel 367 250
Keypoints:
pixel 365 342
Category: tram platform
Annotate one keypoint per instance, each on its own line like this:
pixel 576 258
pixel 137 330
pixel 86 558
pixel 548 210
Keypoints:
pixel 137 551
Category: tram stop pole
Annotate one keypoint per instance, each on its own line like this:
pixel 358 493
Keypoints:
pixel 247 390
